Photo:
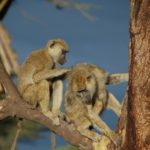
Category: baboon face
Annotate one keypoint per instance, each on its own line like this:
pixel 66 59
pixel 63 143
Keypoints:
pixel 62 58
pixel 84 85
pixel 58 49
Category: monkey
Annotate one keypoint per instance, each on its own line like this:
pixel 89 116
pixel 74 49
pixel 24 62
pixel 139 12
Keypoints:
pixel 40 78
pixel 85 98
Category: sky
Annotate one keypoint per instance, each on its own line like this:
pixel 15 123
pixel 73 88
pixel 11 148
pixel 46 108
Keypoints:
pixel 104 42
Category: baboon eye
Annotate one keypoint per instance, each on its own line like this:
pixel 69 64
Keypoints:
pixel 64 51
pixel 89 77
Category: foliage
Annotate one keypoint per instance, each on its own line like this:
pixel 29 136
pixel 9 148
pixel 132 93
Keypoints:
pixel 8 130
pixel 29 130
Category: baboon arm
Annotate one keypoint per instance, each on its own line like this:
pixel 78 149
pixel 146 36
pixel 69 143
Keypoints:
pixel 114 104
pixel 57 95
pixel 98 107
pixel 49 74
pixel 102 127
pixel 97 121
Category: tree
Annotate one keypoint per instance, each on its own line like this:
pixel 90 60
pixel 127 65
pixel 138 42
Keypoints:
pixel 138 115
pixel 134 123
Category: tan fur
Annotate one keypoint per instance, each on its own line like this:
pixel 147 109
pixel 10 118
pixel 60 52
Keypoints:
pixel 58 41
pixel 36 74
pixel 85 98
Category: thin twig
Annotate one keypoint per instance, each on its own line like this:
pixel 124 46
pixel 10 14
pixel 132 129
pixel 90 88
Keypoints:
pixel 53 141
pixel 18 130
pixel 3 4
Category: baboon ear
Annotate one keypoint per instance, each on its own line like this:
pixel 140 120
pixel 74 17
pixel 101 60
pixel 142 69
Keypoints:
pixel 51 43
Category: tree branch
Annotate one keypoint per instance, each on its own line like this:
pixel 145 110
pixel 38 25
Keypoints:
pixel 10 89
pixel 3 113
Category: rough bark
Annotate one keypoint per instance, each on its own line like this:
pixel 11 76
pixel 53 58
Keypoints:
pixel 138 109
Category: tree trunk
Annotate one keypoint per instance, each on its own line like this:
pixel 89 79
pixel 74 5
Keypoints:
pixel 138 107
